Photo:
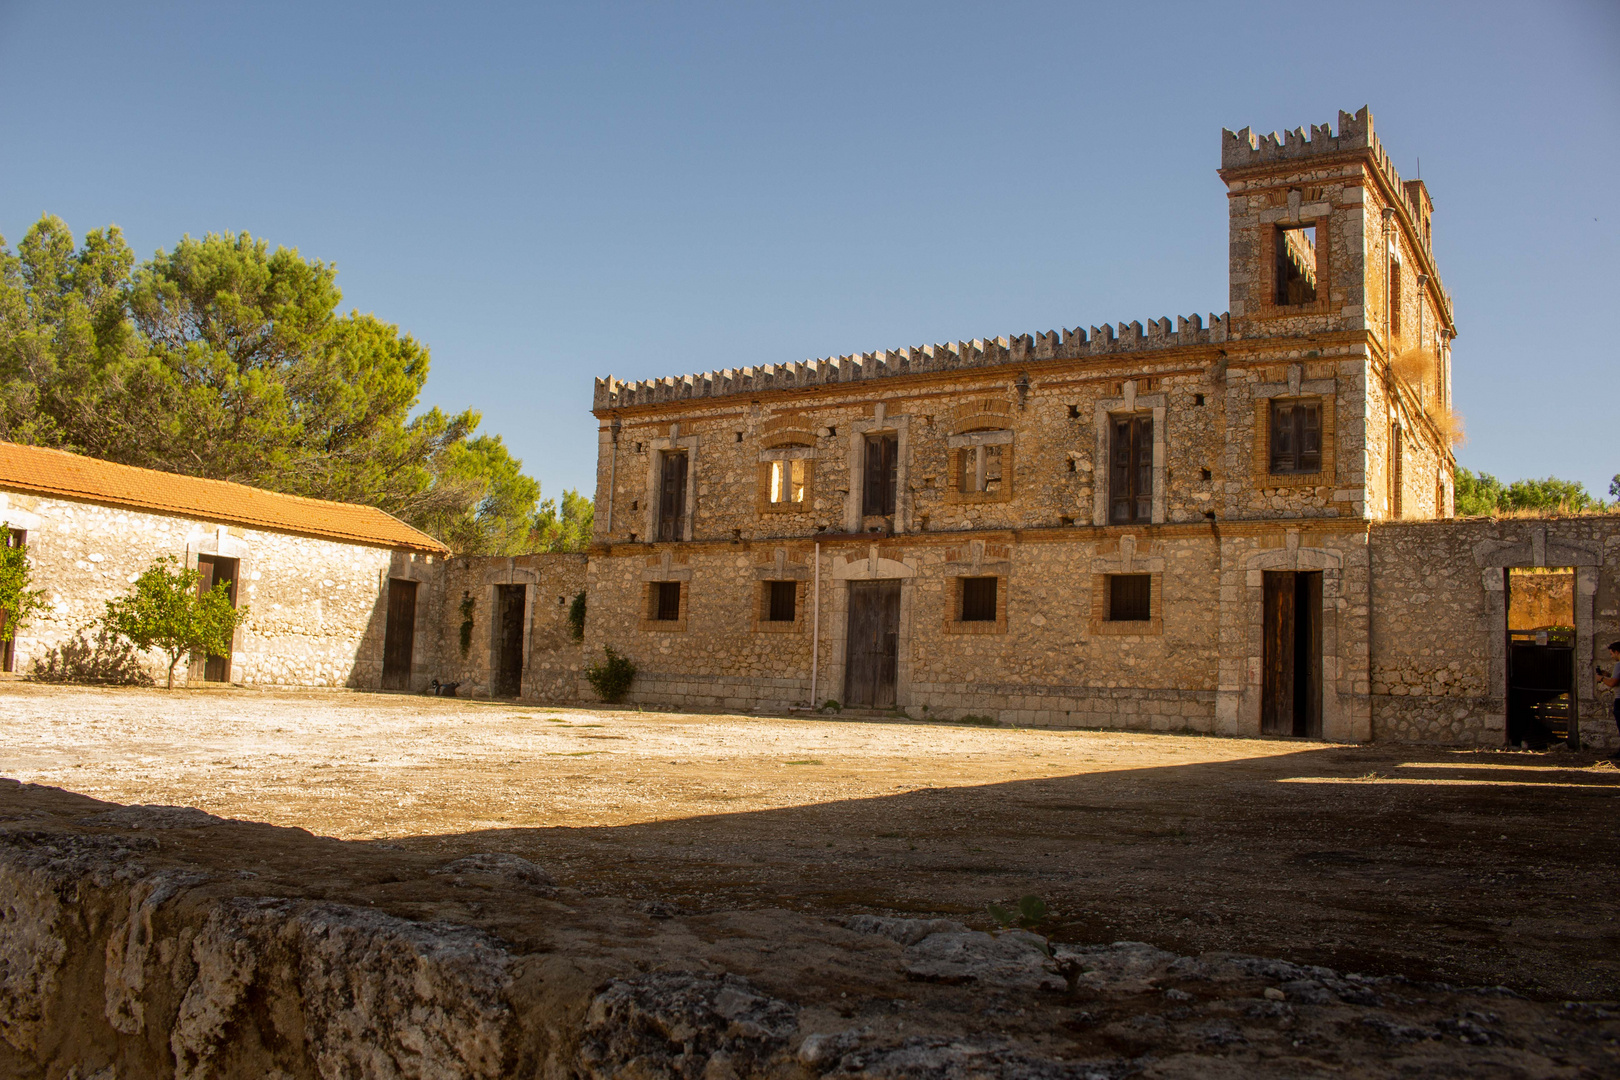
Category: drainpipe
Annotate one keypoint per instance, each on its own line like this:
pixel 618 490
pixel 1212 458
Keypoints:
pixel 613 469
pixel 815 630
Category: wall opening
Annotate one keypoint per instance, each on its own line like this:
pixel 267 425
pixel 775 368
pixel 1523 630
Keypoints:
pixel 510 602
pixel 1296 265
pixel 1541 656
pixel 216 570
pixel 1291 691
pixel 399 635
pixel 1130 597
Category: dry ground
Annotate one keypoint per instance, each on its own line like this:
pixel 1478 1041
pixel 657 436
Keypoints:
pixel 1471 867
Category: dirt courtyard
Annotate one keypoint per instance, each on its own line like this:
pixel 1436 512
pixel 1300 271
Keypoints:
pixel 1472 867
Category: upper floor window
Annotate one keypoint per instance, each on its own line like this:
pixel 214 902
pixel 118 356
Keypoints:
pixel 882 468
pixel 1296 436
pixel 786 476
pixel 979 461
pixel 787 482
pixel 1394 295
pixel 672 507
pixel 1296 265
pixel 1130 473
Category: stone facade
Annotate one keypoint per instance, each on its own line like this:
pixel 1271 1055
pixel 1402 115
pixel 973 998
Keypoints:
pixel 316 607
pixel 1283 444
pixel 466 596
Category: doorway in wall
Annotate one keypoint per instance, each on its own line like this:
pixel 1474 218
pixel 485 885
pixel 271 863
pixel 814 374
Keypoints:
pixel 1541 656
pixel 872 655
pixel 1291 692
pixel 509 611
pixel 214 570
pixel 399 635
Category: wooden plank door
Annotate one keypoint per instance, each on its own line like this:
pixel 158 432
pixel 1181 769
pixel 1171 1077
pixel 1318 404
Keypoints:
pixel 510 603
pixel 1277 662
pixel 399 635
pixel 873 649
pixel 213 570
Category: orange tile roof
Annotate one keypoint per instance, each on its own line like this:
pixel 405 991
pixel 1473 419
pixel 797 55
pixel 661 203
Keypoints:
pixel 38 470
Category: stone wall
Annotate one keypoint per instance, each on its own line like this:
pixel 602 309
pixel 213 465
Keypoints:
pixel 316 608
pixel 1439 624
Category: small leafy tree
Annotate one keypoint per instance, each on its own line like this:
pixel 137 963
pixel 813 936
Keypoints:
pixel 166 612
pixel 611 677
pixel 18 603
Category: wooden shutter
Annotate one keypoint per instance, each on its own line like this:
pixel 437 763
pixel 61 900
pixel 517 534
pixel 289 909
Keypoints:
pixel 672 498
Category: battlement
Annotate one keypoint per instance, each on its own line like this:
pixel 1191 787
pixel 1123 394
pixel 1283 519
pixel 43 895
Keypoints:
pixel 1073 344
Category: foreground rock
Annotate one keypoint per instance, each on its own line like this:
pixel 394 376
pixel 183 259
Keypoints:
pixel 156 942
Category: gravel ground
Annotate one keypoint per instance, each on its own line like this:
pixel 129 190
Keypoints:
pixel 1471 867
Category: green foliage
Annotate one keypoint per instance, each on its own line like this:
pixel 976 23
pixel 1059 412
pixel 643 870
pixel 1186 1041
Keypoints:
pixel 567 530
pixel 832 706
pixel 1483 493
pixel 611 677
pixel 576 616
pixel 976 720
pixel 109 661
pixel 166 612
pixel 224 359
pixel 18 603
pixel 1029 910
pixel 1614 487
pixel 467 607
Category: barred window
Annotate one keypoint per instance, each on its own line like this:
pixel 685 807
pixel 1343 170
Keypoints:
pixel 979 599
pixel 784 598
pixel 1130 597
pixel 666 601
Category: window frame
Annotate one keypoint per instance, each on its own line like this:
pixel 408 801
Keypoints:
pixel 880 479
pixel 971 445
pixel 1134 468
pixel 955 600
pixel 799 447
pixel 1296 407
pixel 650 605
pixel 1102 625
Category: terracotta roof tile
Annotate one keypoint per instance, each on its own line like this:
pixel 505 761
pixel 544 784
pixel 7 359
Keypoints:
pixel 41 471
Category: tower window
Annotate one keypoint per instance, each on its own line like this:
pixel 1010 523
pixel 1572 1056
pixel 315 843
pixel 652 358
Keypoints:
pixel 1296 266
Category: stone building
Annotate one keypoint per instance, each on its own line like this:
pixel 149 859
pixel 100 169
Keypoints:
pixel 337 594
pixel 1183 525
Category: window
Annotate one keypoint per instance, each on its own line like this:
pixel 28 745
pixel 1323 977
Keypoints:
pixel 783 600
pixel 786 482
pixel 978 468
pixel 1296 266
pixel 1130 597
pixel 672 496
pixel 979 599
pixel 1296 436
pixel 1395 465
pixel 666 601
pixel 1131 469
pixel 882 471
pixel 1394 298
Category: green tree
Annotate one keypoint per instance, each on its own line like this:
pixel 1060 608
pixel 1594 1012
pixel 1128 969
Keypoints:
pixel 18 603
pixel 1483 493
pixel 225 359
pixel 165 611
pixel 1477 494
pixel 566 530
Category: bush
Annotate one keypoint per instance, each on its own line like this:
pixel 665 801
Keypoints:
pixel 111 661
pixel 611 678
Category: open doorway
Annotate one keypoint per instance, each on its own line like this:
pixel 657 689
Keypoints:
pixel 216 570
pixel 1541 656
pixel 872 652
pixel 510 604
pixel 1291 692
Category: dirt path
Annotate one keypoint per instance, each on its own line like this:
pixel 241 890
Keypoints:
pixel 1471 867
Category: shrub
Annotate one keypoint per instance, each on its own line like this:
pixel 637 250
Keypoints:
pixel 18 603
pixel 576 616
pixel 111 661
pixel 611 677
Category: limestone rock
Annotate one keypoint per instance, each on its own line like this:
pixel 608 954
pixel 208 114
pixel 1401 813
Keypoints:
pixel 685 1025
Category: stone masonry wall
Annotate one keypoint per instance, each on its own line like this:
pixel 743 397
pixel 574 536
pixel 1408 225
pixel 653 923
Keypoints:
pixel 553 658
pixel 316 607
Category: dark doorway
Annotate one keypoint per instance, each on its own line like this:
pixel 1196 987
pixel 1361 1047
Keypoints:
pixel 1541 657
pixel 216 570
pixel 873 651
pixel 399 635
pixel 509 609
pixel 1291 693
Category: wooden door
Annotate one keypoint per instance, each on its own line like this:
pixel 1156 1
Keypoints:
pixel 872 653
pixel 1277 681
pixel 399 635
pixel 509 607
pixel 672 497
pixel 214 570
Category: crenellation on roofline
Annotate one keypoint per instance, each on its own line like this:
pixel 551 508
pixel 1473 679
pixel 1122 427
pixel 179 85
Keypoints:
pixel 1075 344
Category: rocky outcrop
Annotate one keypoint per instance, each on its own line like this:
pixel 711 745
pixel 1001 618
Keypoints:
pixel 134 944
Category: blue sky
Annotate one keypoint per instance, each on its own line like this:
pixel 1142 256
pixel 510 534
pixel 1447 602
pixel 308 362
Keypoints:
pixel 546 193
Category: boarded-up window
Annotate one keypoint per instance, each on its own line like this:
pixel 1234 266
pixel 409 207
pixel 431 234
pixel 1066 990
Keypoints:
pixel 979 599
pixel 1296 436
pixel 672 497
pixel 1131 469
pixel 784 599
pixel 1130 597
pixel 666 601
pixel 882 471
